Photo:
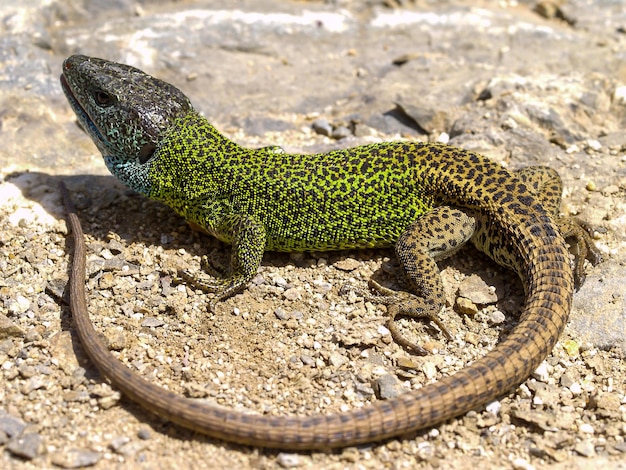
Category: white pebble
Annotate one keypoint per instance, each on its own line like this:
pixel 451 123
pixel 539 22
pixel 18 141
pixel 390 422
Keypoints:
pixel 443 138
pixel 279 281
pixel 586 428
pixel 575 388
pixel 522 464
pixel 288 460
pixel 542 373
pixel 593 144
pixel 619 96
pixel 494 408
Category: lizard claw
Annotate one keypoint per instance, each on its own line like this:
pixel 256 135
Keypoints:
pixel 400 303
pixel 222 287
pixel 581 234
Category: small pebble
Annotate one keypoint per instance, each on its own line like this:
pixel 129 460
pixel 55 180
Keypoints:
pixel 619 95
pixel 27 446
pixel 11 426
pixel 76 396
pixel 109 402
pixel 364 390
pixel 494 408
pixel 522 464
pixel 131 448
pixel 387 386
pixel 34 383
pixel 32 336
pixel 585 448
pixel 336 359
pixel 347 264
pixel 152 322
pixel 117 442
pixel 471 338
pixel 572 348
pixel 292 294
pixel 586 428
pixel 288 460
pixel 465 306
pixel 144 434
pixel 307 360
pixel 426 451
pixel 610 189
pixel 593 144
pixel 322 286
pixel 350 454
pixel 430 370
pixel 576 389
pixel 281 314
pixel 322 127
pixel 477 290
pixel 107 281
pixel 443 138
pixel 542 373
pixel 23 302
pixel 496 317
pixel 408 363
pixel 76 458
pixel 15 308
pixel 279 281
pixel 382 330
pixel 26 371
pixel 341 132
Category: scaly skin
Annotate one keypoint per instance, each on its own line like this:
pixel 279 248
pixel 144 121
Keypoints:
pixel 425 199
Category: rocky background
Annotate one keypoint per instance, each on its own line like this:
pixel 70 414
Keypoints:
pixel 524 82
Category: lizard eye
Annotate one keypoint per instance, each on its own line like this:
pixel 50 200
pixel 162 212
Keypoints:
pixel 102 98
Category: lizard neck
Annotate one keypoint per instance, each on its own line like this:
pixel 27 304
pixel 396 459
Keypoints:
pixel 182 158
pixel 193 162
pixel 132 173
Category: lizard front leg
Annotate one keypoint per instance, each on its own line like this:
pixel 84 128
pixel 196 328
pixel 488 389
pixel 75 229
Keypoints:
pixel 248 238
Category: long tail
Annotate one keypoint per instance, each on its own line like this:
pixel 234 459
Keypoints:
pixel 549 280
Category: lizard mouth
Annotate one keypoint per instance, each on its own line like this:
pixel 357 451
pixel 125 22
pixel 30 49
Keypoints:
pixel 84 119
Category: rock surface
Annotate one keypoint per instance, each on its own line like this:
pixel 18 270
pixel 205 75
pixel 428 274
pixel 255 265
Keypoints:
pixel 524 82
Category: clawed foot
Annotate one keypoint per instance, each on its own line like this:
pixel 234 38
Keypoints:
pixel 580 232
pixel 213 280
pixel 400 303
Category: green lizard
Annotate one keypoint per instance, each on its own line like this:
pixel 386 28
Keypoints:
pixel 425 199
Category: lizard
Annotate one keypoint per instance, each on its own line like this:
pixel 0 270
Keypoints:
pixel 425 199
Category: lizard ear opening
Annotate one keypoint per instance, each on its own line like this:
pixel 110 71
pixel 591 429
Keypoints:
pixel 146 152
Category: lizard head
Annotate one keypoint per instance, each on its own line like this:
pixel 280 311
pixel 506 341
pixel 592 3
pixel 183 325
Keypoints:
pixel 125 111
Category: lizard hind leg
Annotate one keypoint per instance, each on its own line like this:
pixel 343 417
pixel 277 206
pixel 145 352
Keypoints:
pixel 432 237
pixel 579 232
pixel 545 183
